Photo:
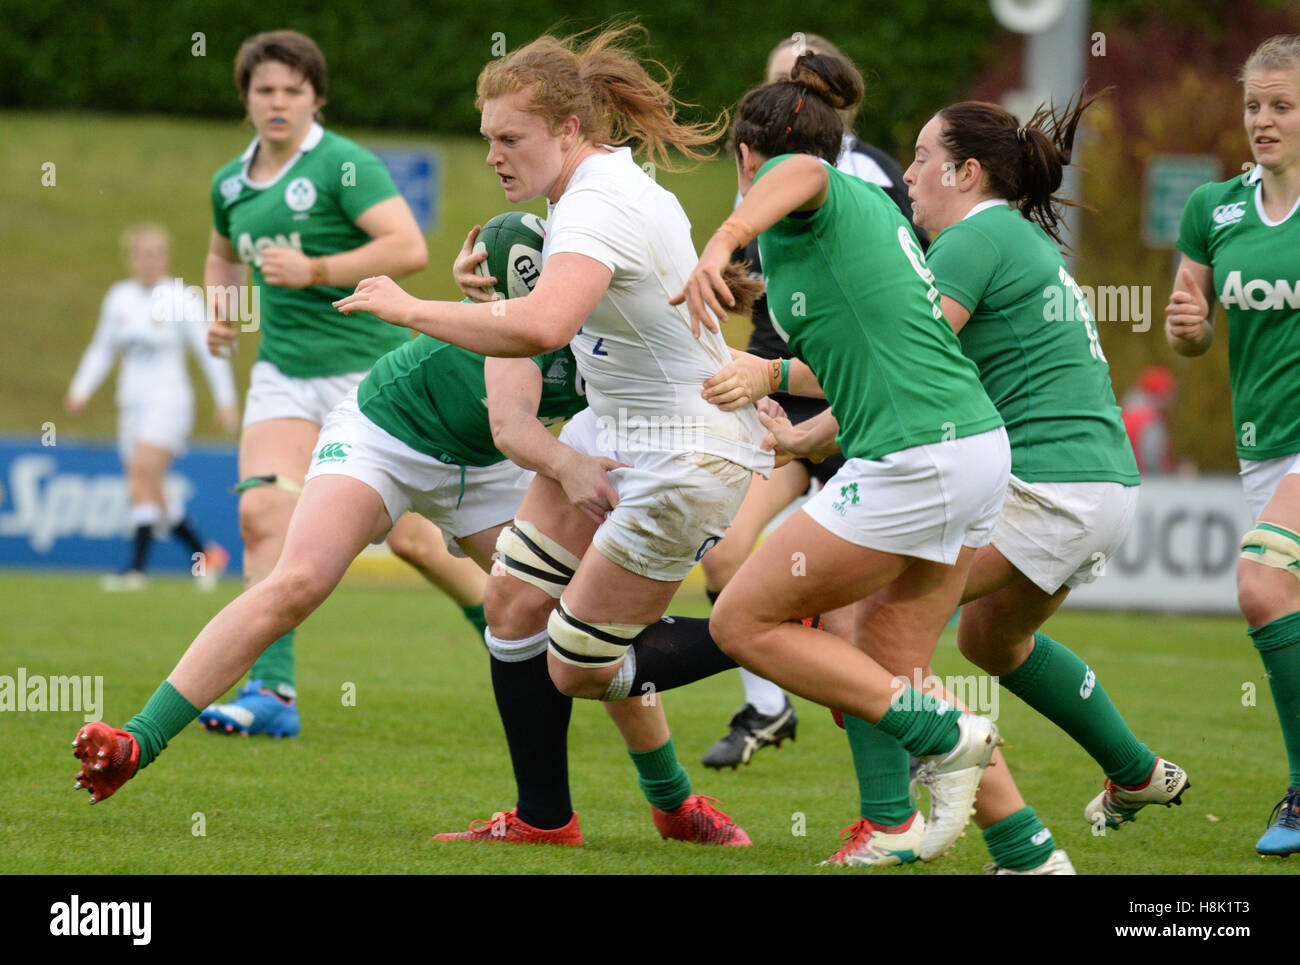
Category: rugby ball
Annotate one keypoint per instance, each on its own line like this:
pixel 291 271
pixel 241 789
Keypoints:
pixel 513 242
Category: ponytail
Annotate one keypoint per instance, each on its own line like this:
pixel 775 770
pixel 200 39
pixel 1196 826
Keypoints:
pixel 1023 164
pixel 800 115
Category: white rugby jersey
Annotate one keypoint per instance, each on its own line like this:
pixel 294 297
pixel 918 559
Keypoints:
pixel 150 328
pixel 644 370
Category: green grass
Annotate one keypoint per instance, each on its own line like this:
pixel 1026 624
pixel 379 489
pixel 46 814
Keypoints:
pixel 61 240
pixel 362 788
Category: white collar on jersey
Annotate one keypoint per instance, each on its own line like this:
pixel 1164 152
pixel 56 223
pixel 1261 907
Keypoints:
pixel 314 135
pixel 1255 176
pixel 984 206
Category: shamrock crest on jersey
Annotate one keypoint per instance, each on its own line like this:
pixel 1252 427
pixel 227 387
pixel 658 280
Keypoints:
pixel 300 195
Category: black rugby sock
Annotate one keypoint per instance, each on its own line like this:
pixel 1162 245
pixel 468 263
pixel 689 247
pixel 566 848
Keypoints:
pixel 674 652
pixel 184 531
pixel 536 720
pixel 140 548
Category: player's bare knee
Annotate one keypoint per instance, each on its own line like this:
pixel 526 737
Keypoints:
pixel 730 630
pixel 297 590
pixel 512 609
pixel 1259 596
pixel 420 553
pixel 579 682
pixel 262 517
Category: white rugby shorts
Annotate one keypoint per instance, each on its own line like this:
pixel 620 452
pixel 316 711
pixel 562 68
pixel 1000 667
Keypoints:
pixel 460 500
pixel 673 506
pixel 925 501
pixel 1063 533
pixel 274 395
pixel 1261 477
pixel 164 421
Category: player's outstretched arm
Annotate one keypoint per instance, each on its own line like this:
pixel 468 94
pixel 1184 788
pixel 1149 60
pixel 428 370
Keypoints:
pixel 748 378
pixel 543 321
pixel 798 183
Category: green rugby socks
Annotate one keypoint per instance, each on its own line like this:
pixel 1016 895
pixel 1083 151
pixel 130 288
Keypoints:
pixel 1061 687
pixel 883 779
pixel 275 667
pixel 1276 643
pixel 165 715
pixel 913 719
pixel 663 780
pixel 1019 842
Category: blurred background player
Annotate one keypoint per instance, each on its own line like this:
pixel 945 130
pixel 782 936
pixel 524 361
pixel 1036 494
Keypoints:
pixel 767 716
pixel 1146 419
pixel 150 320
pixel 1249 264
pixel 311 213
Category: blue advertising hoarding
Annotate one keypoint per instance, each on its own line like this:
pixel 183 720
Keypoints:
pixel 65 505
pixel 415 173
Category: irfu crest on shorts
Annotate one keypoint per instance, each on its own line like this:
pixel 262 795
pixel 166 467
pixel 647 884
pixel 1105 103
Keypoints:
pixel 848 497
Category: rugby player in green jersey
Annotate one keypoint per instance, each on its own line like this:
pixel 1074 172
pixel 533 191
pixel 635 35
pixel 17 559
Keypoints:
pixel 1239 242
pixel 848 289
pixel 429 431
pixel 309 212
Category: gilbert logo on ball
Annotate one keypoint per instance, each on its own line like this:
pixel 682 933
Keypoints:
pixel 513 243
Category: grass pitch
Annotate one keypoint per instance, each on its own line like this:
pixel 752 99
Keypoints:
pixel 363 787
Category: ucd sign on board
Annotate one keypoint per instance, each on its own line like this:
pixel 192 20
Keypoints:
pixel 66 505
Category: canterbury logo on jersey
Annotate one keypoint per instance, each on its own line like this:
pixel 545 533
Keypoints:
pixel 250 251
pixel 333 452
pixel 1226 214
pixel 1259 294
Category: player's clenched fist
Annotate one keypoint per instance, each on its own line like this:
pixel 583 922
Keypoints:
pixel 476 287
pixel 221 338
pixel 1187 317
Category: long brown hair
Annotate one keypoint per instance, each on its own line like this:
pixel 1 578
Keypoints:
pixel 604 83
pixel 1023 164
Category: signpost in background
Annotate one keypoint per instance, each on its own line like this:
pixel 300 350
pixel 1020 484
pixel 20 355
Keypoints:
pixel 1170 181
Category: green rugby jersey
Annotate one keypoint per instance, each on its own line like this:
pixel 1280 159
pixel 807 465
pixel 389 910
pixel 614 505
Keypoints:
pixel 433 397
pixel 311 206
pixel 1257 281
pixel 849 290
pixel 1035 341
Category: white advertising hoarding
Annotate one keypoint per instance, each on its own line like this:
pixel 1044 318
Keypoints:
pixel 1181 553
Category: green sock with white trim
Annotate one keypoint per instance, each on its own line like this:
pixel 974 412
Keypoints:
pixel 915 720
